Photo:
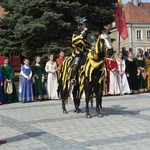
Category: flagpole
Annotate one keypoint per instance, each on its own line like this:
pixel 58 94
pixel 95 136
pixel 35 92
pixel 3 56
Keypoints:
pixel 120 22
pixel 119 43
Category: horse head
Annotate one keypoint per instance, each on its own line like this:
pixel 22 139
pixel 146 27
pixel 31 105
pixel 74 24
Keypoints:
pixel 105 38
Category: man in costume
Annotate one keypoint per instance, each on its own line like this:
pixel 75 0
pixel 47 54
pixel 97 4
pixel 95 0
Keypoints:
pixel 59 61
pixel 81 45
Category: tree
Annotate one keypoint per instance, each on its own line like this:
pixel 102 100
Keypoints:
pixel 45 26
pixel 99 12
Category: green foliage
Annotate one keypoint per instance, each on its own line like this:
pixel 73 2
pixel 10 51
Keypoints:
pixel 33 27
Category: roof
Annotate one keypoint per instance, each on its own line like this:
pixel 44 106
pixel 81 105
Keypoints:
pixel 140 14
pixel 1 12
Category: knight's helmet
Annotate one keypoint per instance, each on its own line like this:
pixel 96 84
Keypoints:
pixel 82 26
pixel 82 23
pixel 82 20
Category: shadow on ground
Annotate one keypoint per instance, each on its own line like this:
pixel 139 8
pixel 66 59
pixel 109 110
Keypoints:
pixel 24 136
pixel 114 110
pixel 119 110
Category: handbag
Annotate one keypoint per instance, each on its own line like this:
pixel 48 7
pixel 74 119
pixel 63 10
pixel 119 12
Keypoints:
pixel 9 88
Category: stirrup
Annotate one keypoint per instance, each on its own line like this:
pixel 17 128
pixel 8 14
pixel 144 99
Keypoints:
pixel 73 82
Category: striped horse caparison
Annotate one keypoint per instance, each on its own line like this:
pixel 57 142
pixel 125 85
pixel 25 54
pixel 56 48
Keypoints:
pixel 90 78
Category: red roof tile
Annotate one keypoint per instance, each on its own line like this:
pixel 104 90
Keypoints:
pixel 140 14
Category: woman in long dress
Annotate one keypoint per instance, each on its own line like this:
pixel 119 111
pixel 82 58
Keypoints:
pixel 122 78
pixel 1 89
pixel 141 69
pixel 52 84
pixel 10 94
pixel 131 71
pixel 25 89
pixel 38 79
pixel 113 85
pixel 148 71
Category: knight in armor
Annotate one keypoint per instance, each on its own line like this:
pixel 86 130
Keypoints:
pixel 81 45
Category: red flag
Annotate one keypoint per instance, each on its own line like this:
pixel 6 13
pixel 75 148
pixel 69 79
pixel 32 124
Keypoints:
pixel 121 21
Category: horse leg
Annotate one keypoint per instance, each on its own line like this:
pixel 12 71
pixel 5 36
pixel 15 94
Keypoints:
pixel 78 109
pixel 87 99
pixel 98 93
pixel 88 90
pixel 63 103
pixel 64 106
pixel 91 99
pixel 101 94
pixel 74 93
pixel 76 99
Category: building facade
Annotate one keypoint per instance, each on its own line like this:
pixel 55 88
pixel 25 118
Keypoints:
pixel 138 25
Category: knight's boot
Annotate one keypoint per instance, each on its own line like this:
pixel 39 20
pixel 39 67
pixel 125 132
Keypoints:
pixel 74 72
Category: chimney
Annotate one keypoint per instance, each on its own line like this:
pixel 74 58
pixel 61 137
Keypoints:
pixel 135 2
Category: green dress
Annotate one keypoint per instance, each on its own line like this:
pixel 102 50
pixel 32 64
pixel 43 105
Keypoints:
pixel 141 80
pixel 39 86
pixel 8 73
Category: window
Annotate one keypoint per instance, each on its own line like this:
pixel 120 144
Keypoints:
pixel 139 35
pixel 148 34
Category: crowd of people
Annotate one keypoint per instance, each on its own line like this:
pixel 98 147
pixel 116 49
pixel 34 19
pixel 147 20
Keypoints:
pixel 31 80
pixel 127 74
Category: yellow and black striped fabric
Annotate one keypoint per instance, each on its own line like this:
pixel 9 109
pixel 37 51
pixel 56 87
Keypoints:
pixel 80 45
pixel 92 63
pixel 65 73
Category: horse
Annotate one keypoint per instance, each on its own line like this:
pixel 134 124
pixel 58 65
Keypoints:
pixel 91 76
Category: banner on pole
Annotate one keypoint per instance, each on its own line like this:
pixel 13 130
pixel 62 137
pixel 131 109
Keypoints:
pixel 120 20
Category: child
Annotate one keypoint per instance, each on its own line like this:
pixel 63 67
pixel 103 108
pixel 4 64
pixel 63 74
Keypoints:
pixel 1 90
pixel 38 76
pixel 10 94
pixel 51 69
pixel 25 88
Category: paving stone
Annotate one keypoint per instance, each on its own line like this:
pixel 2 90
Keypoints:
pixel 43 126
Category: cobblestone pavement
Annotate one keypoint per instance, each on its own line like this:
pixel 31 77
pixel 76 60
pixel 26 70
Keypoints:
pixel 42 126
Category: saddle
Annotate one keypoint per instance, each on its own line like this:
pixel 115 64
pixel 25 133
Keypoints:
pixel 82 61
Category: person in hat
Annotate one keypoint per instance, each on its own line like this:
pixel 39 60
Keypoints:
pixel 81 45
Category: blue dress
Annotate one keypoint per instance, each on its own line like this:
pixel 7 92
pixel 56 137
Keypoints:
pixel 25 87
pixel 1 89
